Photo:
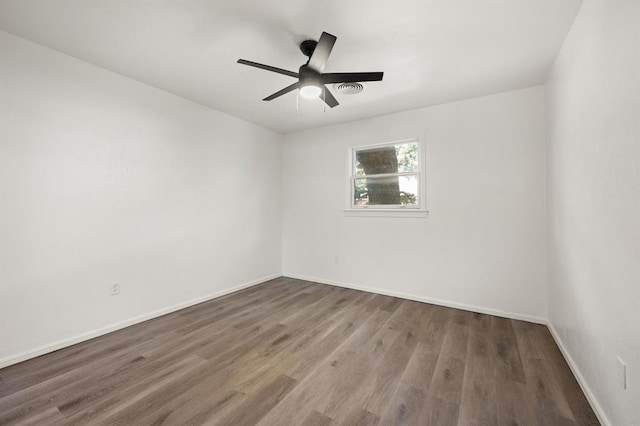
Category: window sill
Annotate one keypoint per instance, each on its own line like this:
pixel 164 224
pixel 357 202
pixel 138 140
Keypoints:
pixel 385 213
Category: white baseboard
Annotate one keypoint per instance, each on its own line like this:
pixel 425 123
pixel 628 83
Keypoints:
pixel 14 359
pixel 432 301
pixel 579 378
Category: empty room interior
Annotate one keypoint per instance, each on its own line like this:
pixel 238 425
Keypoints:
pixel 290 212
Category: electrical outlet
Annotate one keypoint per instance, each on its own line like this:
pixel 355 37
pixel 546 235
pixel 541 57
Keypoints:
pixel 622 373
pixel 114 288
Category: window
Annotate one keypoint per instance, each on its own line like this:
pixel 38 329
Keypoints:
pixel 386 177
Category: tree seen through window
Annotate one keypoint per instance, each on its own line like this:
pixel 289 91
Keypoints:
pixel 386 175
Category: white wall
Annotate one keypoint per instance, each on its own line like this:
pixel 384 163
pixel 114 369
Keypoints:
pixel 106 179
pixel 484 243
pixel 593 103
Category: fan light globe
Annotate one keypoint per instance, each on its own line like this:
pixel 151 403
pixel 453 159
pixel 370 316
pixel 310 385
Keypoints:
pixel 310 91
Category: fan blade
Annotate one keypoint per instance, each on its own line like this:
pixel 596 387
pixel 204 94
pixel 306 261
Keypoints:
pixel 318 59
pixel 350 77
pixel 287 89
pixel 328 97
pixel 268 68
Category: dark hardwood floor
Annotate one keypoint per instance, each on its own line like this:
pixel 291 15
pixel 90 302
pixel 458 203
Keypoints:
pixel 291 352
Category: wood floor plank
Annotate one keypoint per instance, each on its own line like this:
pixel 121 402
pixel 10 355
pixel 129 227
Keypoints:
pixel 506 353
pixel 260 403
pixel 478 404
pixel 324 388
pixel 421 366
pixel 194 412
pixel 53 390
pixel 448 377
pixel 377 372
pixel 455 341
pixel 292 352
pixel 432 332
pixel 150 392
pixel 47 417
pixel 360 417
pixel 406 407
pixel 318 391
pixel 316 419
pixel 514 404
pixel 388 374
pixel 438 412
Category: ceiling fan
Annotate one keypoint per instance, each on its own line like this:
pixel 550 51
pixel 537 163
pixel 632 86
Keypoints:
pixel 311 79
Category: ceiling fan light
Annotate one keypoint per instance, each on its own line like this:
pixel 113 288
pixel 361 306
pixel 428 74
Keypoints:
pixel 310 91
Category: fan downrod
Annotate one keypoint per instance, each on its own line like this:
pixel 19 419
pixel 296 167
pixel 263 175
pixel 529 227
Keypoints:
pixel 307 47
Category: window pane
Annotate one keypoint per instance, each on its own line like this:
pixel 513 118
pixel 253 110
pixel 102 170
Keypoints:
pixel 399 158
pixel 391 190
pixel 407 157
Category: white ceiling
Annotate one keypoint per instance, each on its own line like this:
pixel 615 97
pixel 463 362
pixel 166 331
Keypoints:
pixel 431 52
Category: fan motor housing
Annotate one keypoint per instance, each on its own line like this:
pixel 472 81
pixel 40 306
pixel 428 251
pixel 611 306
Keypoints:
pixel 309 76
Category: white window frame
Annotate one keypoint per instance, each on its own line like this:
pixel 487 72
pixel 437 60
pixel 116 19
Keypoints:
pixel 419 210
